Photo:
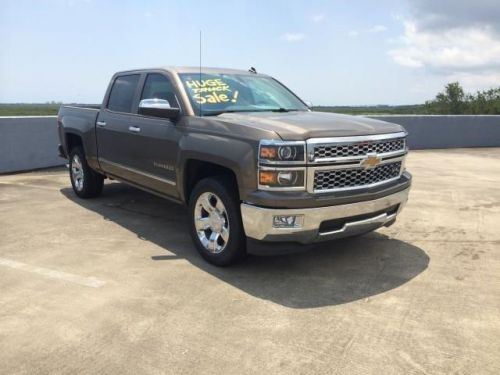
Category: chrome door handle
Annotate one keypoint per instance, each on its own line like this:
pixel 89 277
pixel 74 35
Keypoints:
pixel 102 124
pixel 134 129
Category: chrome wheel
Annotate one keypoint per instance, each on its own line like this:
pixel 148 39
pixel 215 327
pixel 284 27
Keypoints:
pixel 77 172
pixel 211 222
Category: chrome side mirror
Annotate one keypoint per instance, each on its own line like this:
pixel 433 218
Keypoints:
pixel 158 108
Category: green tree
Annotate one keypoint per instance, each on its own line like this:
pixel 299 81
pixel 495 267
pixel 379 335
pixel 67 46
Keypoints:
pixel 451 101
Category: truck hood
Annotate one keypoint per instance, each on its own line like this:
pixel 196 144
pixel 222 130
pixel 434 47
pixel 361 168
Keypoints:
pixel 298 126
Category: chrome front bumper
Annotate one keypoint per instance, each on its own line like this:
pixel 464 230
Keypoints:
pixel 258 221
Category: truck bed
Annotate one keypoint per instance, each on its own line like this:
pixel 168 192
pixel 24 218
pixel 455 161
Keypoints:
pixel 78 120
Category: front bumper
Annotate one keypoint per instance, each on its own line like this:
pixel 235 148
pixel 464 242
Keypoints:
pixel 360 217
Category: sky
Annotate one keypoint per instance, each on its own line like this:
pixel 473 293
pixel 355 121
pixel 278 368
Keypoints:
pixel 328 52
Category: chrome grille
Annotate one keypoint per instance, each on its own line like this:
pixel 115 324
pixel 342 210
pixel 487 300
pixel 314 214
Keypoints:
pixel 357 177
pixel 358 148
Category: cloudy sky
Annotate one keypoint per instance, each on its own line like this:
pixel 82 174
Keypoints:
pixel 329 52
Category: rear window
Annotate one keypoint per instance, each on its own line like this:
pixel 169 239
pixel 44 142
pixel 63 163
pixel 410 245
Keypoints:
pixel 122 93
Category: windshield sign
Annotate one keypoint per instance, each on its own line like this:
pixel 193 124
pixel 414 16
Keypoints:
pixel 213 94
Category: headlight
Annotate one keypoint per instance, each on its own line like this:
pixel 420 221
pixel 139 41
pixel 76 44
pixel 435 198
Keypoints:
pixel 282 152
pixel 282 179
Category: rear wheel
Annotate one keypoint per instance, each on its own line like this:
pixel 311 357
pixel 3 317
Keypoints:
pixel 86 182
pixel 215 222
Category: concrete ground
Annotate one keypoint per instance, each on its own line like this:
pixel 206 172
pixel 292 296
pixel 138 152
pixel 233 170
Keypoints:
pixel 113 285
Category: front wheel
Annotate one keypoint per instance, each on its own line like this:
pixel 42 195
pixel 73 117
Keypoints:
pixel 86 182
pixel 215 222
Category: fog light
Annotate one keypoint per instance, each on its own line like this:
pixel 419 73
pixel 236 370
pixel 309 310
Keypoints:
pixel 288 221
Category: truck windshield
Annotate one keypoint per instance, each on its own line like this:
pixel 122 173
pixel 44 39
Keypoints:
pixel 213 94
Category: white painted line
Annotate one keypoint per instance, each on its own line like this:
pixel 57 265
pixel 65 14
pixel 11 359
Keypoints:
pixel 13 183
pixel 91 282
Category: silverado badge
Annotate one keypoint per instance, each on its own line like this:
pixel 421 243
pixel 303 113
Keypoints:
pixel 370 162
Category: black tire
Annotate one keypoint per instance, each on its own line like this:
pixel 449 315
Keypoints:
pixel 235 247
pixel 89 183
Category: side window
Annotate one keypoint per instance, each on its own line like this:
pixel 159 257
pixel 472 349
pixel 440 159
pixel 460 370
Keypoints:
pixel 158 86
pixel 122 93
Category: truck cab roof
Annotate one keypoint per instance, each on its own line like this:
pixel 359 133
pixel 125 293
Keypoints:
pixel 192 69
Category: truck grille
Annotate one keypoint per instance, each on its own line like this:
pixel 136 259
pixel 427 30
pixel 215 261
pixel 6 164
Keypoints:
pixel 343 179
pixel 358 148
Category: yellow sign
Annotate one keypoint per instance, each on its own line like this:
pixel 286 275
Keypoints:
pixel 212 91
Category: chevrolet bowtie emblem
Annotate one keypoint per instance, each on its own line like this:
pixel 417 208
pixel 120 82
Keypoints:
pixel 370 162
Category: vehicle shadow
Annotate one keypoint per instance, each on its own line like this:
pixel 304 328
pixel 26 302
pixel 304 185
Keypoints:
pixel 330 273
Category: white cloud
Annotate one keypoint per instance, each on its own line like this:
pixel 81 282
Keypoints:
pixel 377 29
pixel 293 37
pixel 453 41
pixel 318 17
pixel 451 50
pixel 353 33
pixel 476 81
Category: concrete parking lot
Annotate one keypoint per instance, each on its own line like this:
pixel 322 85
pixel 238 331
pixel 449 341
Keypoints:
pixel 113 285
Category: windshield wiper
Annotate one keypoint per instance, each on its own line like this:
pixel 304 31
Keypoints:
pixel 281 109
pixel 217 113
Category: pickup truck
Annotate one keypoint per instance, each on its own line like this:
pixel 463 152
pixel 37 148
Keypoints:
pixel 246 155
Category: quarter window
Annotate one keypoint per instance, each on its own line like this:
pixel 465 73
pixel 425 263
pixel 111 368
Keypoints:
pixel 122 93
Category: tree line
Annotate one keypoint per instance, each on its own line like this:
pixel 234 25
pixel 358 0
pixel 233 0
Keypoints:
pixel 455 101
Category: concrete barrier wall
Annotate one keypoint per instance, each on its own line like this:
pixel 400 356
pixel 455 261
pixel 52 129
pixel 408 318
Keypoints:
pixel 28 143
pixel 427 132
pixel 31 142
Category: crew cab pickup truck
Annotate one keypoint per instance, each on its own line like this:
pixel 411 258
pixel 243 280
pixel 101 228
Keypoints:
pixel 245 154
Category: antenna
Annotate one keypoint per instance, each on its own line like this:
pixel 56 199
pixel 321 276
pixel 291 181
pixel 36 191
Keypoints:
pixel 201 113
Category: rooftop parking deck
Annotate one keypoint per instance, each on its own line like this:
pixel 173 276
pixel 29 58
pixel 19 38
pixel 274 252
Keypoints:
pixel 114 285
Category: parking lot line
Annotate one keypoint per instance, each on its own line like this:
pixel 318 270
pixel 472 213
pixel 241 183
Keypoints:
pixel 91 282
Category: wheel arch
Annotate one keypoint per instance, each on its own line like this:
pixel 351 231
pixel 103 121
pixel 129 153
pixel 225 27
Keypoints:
pixel 197 169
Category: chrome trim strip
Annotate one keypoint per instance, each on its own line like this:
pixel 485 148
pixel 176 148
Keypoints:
pixel 294 188
pixel 354 165
pixel 350 159
pixel 360 138
pixel 136 171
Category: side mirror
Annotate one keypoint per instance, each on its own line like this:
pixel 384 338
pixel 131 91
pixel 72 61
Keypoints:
pixel 158 108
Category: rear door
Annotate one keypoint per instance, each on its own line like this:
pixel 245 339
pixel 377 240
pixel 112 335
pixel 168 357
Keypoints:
pixel 113 124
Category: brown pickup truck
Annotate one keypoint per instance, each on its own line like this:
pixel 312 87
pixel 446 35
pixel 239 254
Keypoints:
pixel 247 156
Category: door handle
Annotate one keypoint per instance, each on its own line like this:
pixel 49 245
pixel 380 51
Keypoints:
pixel 102 124
pixel 134 129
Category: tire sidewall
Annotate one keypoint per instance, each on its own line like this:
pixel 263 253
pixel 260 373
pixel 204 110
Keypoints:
pixel 78 151
pixel 235 247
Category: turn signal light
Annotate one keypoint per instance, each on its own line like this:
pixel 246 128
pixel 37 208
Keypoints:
pixel 282 178
pixel 267 177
